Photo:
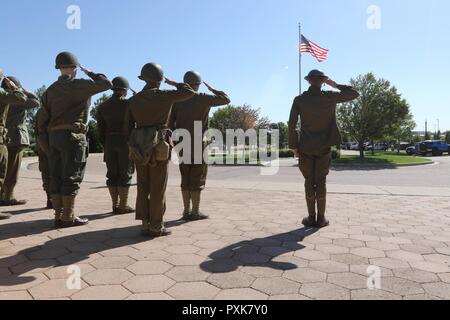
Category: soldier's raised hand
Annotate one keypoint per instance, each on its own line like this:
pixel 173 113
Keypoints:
pixel 213 90
pixel 85 70
pixel 331 83
pixel 171 82
pixel 11 85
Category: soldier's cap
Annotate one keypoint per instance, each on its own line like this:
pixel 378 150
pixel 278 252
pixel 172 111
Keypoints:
pixel 13 79
pixel 193 78
pixel 66 60
pixel 120 83
pixel 316 73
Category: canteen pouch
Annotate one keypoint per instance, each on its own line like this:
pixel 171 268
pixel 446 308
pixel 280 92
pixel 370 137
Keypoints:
pixel 163 148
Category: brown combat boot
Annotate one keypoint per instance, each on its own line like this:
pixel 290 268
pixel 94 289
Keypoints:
pixel 57 205
pixel 68 219
pixel 310 221
pixel 322 222
pixel 196 215
pixel 124 208
pixel 114 193
pixel 187 204
pixel 9 200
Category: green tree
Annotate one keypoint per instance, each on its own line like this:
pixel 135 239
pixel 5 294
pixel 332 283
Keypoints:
pixel 31 115
pixel 447 136
pixel 283 129
pixel 378 112
pixel 437 135
pixel 93 136
pixel 403 132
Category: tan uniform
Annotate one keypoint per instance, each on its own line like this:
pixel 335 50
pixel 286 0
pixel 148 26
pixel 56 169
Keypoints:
pixel 318 133
pixel 184 116
pixel 151 108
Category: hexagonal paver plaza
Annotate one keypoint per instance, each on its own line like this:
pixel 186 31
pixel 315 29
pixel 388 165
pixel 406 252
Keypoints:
pixel 253 247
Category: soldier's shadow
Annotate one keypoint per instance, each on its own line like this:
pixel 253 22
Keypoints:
pixel 261 252
pixel 64 251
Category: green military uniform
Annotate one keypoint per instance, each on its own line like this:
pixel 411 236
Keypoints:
pixel 65 111
pixel 318 133
pixel 151 109
pixel 7 97
pixel 184 116
pixel 18 140
pixel 43 165
pixel 110 123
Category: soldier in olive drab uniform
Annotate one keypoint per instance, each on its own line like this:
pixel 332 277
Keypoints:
pixel 110 123
pixel 148 117
pixel 319 132
pixel 184 116
pixel 13 95
pixel 43 165
pixel 62 134
pixel 18 140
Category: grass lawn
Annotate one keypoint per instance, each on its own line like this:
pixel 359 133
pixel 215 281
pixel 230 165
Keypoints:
pixel 382 158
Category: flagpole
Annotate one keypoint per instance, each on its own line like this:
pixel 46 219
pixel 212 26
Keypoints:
pixel 300 58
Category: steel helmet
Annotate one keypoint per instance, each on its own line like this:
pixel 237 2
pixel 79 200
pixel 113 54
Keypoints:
pixel 193 78
pixel 152 72
pixel 316 74
pixel 66 60
pixel 120 83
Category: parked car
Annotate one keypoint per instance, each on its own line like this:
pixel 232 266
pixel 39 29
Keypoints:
pixel 378 147
pixel 354 146
pixel 434 147
pixel 411 150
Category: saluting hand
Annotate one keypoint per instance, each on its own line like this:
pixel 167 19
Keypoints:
pixel 10 84
pixel 212 89
pixel 331 83
pixel 171 82
pixel 85 70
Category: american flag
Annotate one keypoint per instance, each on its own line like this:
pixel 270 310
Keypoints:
pixel 316 51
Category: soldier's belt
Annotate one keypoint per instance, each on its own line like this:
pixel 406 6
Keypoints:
pixel 61 127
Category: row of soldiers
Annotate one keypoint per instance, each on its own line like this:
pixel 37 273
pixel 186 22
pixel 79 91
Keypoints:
pixel 135 132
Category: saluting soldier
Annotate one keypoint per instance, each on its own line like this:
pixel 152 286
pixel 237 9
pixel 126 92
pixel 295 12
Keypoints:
pixel 62 133
pixel 147 123
pixel 318 133
pixel 18 140
pixel 12 95
pixel 110 123
pixel 44 167
pixel 184 116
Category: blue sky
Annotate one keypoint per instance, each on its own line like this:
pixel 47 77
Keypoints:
pixel 248 48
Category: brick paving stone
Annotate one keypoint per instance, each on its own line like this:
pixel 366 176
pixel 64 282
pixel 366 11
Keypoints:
pixel 404 255
pixel 15 295
pixel 348 280
pixel 241 294
pixel 290 297
pixel 231 280
pixel 52 289
pixel 445 277
pixel 325 291
pixel 349 259
pixel 150 296
pixel 193 291
pixel 276 286
pixel 187 274
pixel 107 277
pixel 367 294
pixel 305 275
pixel 438 289
pixel 149 267
pixel 368 253
pixel 112 262
pixel 114 292
pixel 401 286
pixel 148 284
pixel 328 266
pixel 311 255
pixel 430 266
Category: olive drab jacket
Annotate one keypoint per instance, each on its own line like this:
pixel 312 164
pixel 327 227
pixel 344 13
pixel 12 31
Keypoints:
pixel 16 121
pixel 317 111
pixel 7 98
pixel 111 116
pixel 196 109
pixel 152 107
pixel 65 104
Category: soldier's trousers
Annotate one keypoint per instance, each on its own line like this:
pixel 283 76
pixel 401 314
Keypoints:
pixel 120 167
pixel 151 196
pixel 45 171
pixel 15 155
pixel 315 167
pixel 3 163
pixel 193 176
pixel 67 161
